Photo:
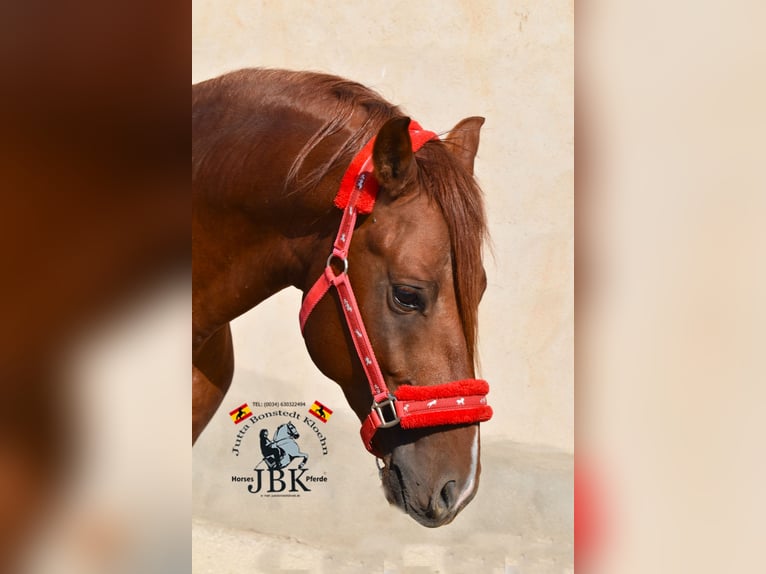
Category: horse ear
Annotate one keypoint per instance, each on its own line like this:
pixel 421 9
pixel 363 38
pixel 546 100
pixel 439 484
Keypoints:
pixel 464 140
pixel 392 155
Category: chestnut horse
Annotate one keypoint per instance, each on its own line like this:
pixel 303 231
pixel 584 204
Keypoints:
pixel 269 151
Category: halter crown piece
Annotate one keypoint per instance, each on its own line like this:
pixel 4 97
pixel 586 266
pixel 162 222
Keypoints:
pixel 454 403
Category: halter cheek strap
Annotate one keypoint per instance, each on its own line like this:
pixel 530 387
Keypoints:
pixel 458 402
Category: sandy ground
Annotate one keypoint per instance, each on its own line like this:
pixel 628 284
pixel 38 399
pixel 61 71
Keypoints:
pixel 520 522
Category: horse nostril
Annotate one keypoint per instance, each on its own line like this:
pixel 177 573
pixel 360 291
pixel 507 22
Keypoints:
pixel 442 503
pixel 447 494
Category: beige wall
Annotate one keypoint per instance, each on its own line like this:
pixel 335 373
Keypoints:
pixel 511 62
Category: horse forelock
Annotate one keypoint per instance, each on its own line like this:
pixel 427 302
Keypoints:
pixel 460 199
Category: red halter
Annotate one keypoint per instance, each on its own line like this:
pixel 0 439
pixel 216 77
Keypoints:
pixel 458 402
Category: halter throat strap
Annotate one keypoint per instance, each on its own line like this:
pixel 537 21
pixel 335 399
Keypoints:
pixel 458 402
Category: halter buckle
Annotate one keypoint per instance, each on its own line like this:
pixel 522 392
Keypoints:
pixel 390 409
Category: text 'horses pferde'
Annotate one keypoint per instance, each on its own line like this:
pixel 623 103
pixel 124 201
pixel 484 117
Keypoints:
pixel 287 167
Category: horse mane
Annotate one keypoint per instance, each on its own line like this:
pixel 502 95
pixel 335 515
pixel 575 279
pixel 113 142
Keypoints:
pixel 347 99
pixel 442 177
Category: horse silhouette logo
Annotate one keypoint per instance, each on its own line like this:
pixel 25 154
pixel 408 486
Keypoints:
pixel 279 452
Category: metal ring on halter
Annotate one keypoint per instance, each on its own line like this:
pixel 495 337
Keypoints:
pixel 343 259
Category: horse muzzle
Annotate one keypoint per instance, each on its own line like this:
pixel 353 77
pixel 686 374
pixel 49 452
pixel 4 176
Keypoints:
pixel 426 477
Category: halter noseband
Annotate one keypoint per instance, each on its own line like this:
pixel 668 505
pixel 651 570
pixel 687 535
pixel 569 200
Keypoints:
pixel 457 402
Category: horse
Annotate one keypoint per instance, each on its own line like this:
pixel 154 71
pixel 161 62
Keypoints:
pixel 270 150
pixel 283 446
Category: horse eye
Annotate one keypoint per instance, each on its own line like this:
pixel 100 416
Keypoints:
pixel 408 298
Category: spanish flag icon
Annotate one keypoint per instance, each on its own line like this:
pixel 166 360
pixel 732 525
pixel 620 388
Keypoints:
pixel 240 413
pixel 320 411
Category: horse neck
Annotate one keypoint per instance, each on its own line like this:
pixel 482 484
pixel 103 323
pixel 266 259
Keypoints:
pixel 277 234
pixel 305 220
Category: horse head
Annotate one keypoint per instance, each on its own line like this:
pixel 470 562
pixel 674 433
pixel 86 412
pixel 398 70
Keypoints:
pixel 415 265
